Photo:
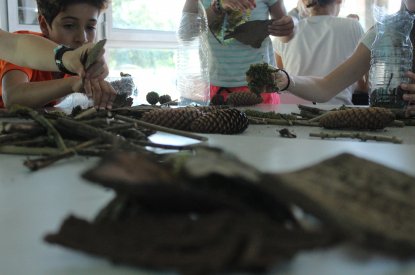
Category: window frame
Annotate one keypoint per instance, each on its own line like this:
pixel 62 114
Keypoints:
pixel 135 38
pixel 13 19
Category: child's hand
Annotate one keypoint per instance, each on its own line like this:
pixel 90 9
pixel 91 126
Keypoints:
pixel 410 94
pixel 282 27
pixel 72 60
pixel 101 92
pixel 239 5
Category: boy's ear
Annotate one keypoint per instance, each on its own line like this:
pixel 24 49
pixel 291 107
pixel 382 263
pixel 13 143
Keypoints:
pixel 44 26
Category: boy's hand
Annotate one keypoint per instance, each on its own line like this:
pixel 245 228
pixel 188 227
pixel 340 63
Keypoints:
pixel 239 5
pixel 410 94
pixel 72 60
pixel 282 27
pixel 101 92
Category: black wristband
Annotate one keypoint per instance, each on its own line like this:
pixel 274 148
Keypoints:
pixel 288 79
pixel 59 51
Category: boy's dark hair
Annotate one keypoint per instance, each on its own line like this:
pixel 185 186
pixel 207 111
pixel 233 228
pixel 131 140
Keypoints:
pixel 51 8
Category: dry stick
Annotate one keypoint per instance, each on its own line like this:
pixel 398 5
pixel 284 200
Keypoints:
pixel 85 113
pixel 357 135
pixel 313 110
pixel 161 128
pixel 91 132
pixel 36 164
pixel 44 122
pixel 9 127
pixel 5 139
pixel 282 122
pixel 21 150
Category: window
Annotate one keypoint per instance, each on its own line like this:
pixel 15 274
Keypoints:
pixel 142 39
pixel 22 15
pixel 142 42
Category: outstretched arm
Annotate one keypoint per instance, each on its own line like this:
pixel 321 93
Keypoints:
pixel 35 52
pixel 322 89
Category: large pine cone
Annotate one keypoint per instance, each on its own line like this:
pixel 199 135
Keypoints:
pixel 358 118
pixel 225 121
pixel 179 118
pixel 243 99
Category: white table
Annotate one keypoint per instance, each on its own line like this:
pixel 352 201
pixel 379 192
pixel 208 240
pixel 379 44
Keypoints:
pixel 33 204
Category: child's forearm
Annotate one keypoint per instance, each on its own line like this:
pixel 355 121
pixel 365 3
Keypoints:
pixel 28 51
pixel 38 94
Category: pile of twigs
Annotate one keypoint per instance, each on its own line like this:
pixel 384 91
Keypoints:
pixel 56 135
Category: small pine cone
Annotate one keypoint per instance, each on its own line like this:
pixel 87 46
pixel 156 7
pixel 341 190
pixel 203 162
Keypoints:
pixel 243 99
pixel 179 118
pixel 164 99
pixel 125 85
pixel 225 121
pixel 152 98
pixel 358 118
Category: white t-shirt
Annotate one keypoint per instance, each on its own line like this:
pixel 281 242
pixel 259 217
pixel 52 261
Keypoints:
pixel 320 44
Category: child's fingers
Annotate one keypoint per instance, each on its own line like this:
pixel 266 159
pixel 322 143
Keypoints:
pixel 88 88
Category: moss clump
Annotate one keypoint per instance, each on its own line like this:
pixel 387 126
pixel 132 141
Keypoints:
pixel 261 78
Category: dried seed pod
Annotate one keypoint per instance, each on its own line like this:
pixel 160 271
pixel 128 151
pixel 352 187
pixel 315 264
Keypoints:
pixel 164 99
pixel 243 99
pixel 152 98
pixel 225 121
pixel 179 118
pixel 358 118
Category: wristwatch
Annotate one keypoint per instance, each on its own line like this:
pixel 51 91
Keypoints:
pixel 59 51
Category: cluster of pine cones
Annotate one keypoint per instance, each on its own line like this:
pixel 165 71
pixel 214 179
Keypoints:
pixel 200 119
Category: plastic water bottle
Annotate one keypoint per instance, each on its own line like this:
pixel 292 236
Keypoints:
pixel 193 59
pixel 391 58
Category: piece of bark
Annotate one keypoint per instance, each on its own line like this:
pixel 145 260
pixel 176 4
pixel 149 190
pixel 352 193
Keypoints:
pixel 251 33
pixel 190 244
pixel 372 204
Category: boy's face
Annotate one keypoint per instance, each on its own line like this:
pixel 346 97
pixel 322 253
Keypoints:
pixel 73 27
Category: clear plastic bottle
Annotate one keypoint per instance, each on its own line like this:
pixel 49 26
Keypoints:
pixel 391 57
pixel 193 59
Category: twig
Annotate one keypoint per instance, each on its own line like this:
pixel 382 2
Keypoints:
pixel 281 122
pixel 20 150
pixel 91 132
pixel 44 122
pixel 86 113
pixel 357 135
pixel 161 128
pixel 36 164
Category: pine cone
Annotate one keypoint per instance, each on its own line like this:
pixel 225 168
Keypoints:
pixel 358 118
pixel 152 98
pixel 243 99
pixel 179 118
pixel 164 99
pixel 125 85
pixel 226 121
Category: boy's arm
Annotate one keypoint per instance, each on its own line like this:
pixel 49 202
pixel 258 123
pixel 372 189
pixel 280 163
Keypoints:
pixel 18 90
pixel 38 53
pixel 283 25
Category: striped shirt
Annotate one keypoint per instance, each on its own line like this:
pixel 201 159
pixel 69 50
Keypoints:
pixel 229 63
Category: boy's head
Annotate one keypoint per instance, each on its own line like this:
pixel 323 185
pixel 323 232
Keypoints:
pixel 70 22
